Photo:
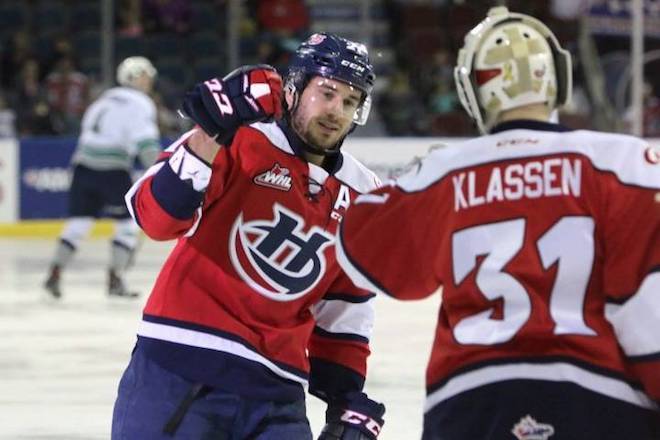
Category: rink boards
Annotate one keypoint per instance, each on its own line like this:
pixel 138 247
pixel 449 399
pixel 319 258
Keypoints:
pixel 35 177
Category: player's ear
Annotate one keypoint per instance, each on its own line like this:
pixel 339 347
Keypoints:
pixel 289 97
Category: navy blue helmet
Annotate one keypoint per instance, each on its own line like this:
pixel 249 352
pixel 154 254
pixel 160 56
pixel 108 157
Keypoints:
pixel 337 58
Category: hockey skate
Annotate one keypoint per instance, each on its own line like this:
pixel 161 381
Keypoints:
pixel 117 288
pixel 52 284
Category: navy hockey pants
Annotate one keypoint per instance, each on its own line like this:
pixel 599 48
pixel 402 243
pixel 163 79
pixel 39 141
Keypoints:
pixel 530 410
pixel 149 396
pixel 95 193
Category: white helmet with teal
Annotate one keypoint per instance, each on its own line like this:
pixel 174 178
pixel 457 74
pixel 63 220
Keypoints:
pixel 510 60
pixel 132 68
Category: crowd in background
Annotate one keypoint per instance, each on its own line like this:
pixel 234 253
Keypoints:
pixel 50 63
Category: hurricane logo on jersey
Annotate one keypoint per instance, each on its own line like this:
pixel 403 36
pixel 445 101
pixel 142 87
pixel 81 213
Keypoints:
pixel 277 258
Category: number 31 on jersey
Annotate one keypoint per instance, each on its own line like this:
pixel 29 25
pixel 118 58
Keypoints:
pixel 569 243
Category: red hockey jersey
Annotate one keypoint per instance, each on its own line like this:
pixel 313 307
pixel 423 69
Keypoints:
pixel 547 248
pixel 252 284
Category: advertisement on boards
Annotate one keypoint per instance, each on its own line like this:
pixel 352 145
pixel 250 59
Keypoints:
pixel 45 177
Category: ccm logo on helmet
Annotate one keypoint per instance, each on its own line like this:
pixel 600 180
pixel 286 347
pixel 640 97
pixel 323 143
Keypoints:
pixel 352 65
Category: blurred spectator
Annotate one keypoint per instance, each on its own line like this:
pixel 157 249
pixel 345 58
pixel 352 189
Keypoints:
pixel 7 120
pixel 30 102
pixel 442 98
pixel 652 117
pixel 18 50
pixel 285 18
pixel 68 94
pixel 435 78
pixel 61 47
pixel 399 107
pixel 274 51
pixel 166 16
pixel 651 113
pixel 130 20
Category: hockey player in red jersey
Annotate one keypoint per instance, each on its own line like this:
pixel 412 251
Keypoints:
pixel 546 243
pixel 250 305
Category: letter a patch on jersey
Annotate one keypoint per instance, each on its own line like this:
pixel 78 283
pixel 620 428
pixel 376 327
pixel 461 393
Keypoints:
pixel 277 178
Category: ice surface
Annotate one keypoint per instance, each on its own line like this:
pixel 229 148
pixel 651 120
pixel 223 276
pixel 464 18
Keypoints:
pixel 60 362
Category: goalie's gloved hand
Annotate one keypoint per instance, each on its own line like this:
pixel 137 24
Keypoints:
pixel 356 417
pixel 246 95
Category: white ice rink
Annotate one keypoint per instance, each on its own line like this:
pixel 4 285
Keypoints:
pixel 60 362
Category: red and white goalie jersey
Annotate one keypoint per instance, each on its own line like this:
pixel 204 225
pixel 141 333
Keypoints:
pixel 253 283
pixel 546 243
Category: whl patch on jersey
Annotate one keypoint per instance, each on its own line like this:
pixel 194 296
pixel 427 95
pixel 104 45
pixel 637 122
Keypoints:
pixel 529 429
pixel 277 178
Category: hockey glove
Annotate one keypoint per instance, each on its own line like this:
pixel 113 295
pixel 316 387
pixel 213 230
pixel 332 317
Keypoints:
pixel 355 418
pixel 246 95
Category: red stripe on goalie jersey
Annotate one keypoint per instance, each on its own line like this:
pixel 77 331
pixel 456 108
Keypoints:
pixel 431 230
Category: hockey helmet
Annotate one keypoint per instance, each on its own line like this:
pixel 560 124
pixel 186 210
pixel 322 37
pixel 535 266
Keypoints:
pixel 132 68
pixel 510 60
pixel 337 58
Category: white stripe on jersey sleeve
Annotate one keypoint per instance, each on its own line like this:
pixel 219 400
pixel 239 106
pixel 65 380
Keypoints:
pixel 189 167
pixel 173 148
pixel 620 154
pixel 636 321
pixel 337 316
pixel 553 372
pixel 131 192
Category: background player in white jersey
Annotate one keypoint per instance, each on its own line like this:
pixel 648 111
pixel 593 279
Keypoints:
pixel 546 243
pixel 117 127
pixel 251 305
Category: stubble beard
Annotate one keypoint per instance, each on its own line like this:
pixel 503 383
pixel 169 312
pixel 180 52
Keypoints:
pixel 308 135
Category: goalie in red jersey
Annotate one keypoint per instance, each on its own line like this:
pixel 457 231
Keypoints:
pixel 546 243
pixel 251 305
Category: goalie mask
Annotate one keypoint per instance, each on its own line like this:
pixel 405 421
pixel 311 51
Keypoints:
pixel 332 57
pixel 510 60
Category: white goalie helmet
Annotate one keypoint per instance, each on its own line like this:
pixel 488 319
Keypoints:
pixel 510 60
pixel 132 68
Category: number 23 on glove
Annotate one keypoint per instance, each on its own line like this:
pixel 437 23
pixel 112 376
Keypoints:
pixel 248 94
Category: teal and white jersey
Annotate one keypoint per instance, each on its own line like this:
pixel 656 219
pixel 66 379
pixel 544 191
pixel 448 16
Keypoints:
pixel 117 127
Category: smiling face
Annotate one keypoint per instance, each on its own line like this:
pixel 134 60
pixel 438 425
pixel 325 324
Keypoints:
pixel 325 112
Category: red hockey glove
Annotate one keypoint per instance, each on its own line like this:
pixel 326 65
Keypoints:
pixel 355 418
pixel 246 95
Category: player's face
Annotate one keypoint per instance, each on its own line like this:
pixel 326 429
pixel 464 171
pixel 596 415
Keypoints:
pixel 144 82
pixel 325 112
